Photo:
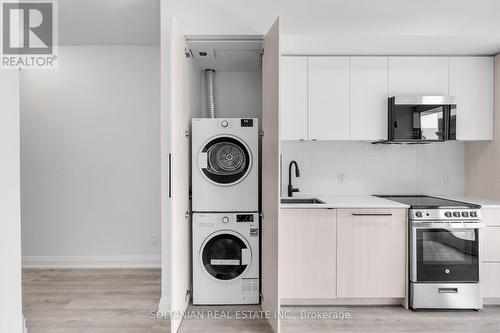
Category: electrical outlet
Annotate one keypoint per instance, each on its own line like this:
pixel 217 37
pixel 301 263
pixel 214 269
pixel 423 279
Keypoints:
pixel 341 177
pixel 155 240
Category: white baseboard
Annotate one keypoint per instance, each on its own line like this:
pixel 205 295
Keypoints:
pixel 146 261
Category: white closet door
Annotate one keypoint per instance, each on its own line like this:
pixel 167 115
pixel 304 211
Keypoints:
pixel 471 81
pixel 329 114
pixel 369 98
pixel 294 98
pixel 11 316
pixel 271 174
pixel 180 226
pixel 418 76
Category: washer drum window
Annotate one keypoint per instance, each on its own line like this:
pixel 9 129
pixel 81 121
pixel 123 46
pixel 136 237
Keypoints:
pixel 225 256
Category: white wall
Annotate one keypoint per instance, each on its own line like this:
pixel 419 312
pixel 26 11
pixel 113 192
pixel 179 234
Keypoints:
pixel 436 168
pixel 237 95
pixel 10 220
pixel 90 158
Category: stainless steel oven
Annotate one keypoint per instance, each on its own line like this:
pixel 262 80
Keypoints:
pixel 445 252
pixel 445 259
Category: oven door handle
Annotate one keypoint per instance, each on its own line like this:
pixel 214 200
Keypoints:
pixel 445 225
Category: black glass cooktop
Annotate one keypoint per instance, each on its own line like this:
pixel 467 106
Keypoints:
pixel 424 201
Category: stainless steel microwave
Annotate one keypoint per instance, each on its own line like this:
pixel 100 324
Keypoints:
pixel 421 119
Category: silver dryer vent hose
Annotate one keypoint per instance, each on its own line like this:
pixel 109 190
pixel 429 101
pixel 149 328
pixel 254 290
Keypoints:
pixel 210 77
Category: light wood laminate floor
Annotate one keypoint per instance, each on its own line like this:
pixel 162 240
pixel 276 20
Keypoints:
pixel 121 300
pixel 92 300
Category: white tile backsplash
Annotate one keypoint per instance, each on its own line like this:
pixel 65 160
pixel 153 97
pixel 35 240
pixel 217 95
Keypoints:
pixel 360 168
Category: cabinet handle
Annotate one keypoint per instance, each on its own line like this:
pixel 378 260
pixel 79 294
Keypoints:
pixel 170 175
pixel 371 214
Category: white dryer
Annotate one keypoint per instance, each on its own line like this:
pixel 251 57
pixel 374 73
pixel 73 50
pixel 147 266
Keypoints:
pixel 225 165
pixel 225 258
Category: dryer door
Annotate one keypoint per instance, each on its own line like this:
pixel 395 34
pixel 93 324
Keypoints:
pixel 225 160
pixel 225 255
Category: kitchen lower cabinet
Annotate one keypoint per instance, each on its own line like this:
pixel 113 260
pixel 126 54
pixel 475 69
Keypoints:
pixel 371 253
pixel 490 280
pixel 307 253
pixel 490 272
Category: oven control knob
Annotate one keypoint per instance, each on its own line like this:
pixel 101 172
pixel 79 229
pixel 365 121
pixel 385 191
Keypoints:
pixel 224 123
pixel 473 214
pixel 418 214
pixel 225 219
pixel 447 271
pixel 465 214
pixel 447 214
pixel 456 214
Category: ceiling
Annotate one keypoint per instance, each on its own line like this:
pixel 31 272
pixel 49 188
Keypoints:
pixel 312 26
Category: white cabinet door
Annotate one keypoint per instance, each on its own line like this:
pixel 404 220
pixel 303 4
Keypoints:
pixel 294 98
pixel 489 279
pixel 307 253
pixel 471 81
pixel 329 114
pixel 271 176
pixel 371 253
pixel 369 98
pixel 180 231
pixel 418 76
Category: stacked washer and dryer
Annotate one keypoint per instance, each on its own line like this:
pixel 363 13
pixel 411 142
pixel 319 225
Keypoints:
pixel 225 205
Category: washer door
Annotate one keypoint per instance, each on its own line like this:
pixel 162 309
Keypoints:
pixel 225 255
pixel 225 160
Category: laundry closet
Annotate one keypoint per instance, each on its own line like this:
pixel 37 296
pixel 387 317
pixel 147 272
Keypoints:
pixel 220 219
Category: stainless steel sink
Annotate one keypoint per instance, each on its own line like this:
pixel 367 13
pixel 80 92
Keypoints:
pixel 314 201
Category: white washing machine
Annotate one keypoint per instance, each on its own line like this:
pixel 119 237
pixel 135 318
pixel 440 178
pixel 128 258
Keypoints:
pixel 225 165
pixel 225 258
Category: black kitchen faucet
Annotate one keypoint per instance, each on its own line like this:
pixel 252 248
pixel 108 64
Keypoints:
pixel 291 189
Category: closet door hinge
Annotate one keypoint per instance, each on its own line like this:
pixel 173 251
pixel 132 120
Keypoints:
pixel 261 297
pixel 187 298
pixel 186 133
pixel 187 213
pixel 187 53
pixel 261 133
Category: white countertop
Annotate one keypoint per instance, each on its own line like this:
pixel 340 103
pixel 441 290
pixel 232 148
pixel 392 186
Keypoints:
pixel 483 202
pixel 348 201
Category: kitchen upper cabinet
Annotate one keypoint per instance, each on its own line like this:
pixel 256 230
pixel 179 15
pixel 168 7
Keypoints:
pixel 328 104
pixel 294 98
pixel 418 76
pixel 371 253
pixel 368 98
pixel 471 81
pixel 307 250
